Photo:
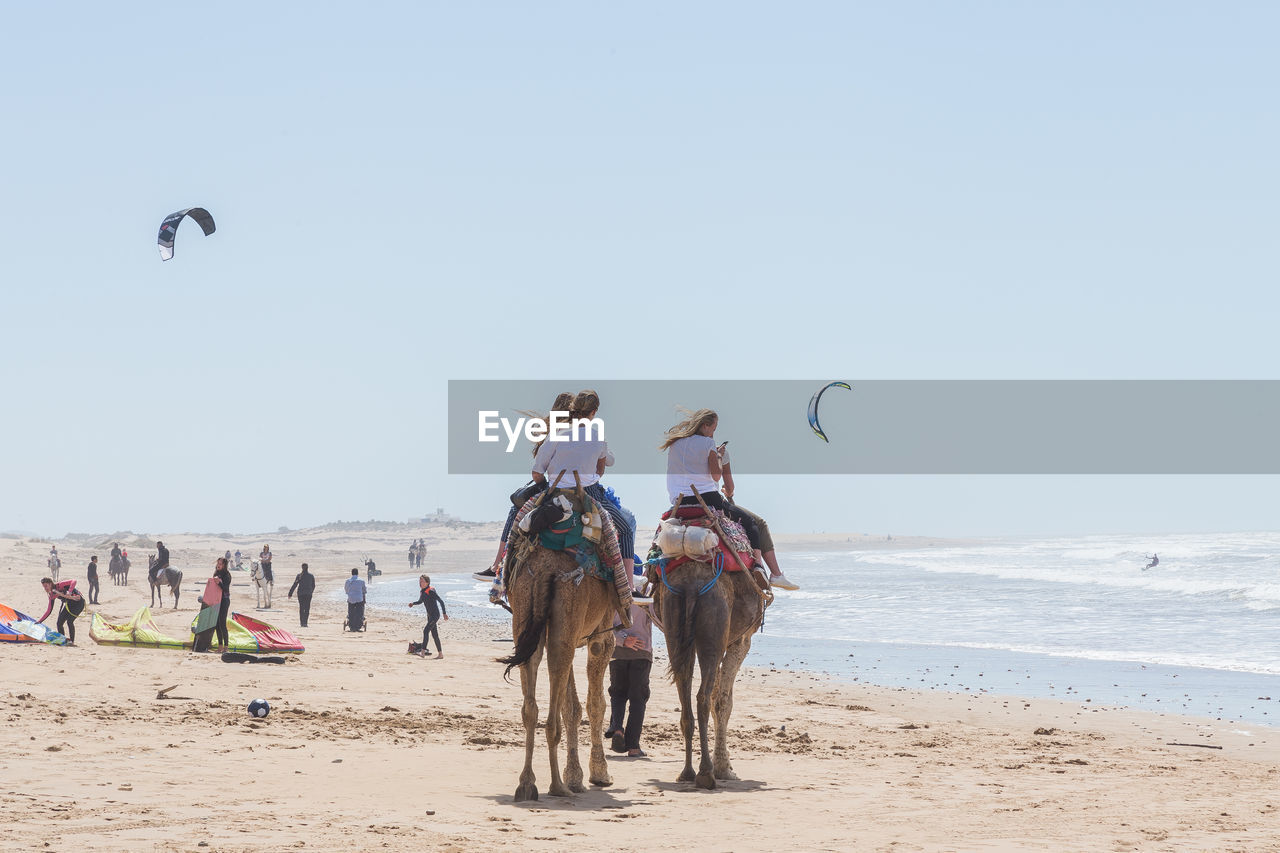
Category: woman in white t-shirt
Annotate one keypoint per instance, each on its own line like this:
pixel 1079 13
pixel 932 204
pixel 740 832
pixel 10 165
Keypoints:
pixel 589 456
pixel 562 403
pixel 694 462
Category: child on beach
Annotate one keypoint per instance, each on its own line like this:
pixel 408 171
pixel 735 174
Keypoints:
pixel 434 605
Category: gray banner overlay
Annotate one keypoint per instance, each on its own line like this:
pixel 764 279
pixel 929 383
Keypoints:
pixel 905 427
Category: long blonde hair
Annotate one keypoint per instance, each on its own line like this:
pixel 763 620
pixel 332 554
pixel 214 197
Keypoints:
pixel 691 425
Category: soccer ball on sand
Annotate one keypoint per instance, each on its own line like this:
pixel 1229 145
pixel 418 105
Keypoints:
pixel 259 708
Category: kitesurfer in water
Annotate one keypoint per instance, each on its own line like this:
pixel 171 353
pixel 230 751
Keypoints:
pixel 1155 561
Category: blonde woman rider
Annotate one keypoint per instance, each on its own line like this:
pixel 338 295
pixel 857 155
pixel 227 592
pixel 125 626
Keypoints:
pixel 694 460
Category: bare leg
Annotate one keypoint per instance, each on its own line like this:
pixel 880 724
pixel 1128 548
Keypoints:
pixel 771 560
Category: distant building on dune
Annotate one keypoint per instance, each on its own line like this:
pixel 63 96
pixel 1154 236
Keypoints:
pixel 437 517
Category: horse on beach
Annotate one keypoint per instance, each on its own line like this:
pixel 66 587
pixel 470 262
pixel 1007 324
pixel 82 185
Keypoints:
pixel 263 586
pixel 169 577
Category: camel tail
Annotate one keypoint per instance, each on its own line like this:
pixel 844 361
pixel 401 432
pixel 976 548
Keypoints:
pixel 537 611
pixel 682 634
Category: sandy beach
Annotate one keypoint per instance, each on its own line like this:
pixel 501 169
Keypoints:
pixel 368 748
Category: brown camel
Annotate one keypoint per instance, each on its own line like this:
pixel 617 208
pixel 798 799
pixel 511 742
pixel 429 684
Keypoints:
pixel 556 609
pixel 711 619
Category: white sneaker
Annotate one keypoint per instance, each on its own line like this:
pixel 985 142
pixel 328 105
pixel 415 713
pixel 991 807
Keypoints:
pixel 780 581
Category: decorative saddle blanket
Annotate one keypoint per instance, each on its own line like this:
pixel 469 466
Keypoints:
pixel 601 559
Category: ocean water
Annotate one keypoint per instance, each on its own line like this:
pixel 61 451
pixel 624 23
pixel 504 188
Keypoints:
pixel 1070 618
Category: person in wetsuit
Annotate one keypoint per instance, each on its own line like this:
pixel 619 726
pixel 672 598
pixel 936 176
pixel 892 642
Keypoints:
pixel 91 574
pixel 434 605
pixel 223 575
pixel 305 584
pixel 72 606
pixel 1155 561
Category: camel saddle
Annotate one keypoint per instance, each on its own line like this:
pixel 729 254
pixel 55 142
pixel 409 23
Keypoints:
pixel 693 516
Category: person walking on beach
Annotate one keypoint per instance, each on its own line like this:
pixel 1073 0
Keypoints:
pixel 91 574
pixel 422 551
pixel 54 561
pixel 357 590
pixel 629 680
pixel 223 574
pixel 305 583
pixel 434 605
pixel 413 553
pixel 264 560
pixel 239 559
pixel 72 606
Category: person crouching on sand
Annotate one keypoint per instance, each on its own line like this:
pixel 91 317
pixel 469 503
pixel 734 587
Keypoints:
pixel 430 601
pixel 72 606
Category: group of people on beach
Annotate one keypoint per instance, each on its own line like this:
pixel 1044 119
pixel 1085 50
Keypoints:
pixel 417 553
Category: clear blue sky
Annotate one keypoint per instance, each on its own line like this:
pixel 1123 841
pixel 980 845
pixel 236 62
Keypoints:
pixel 408 193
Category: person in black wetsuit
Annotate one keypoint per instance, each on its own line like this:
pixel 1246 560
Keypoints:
pixel 224 607
pixel 72 605
pixel 434 605
pixel 305 583
pixel 1155 561
pixel 91 573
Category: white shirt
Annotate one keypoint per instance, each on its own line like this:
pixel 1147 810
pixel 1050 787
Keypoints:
pixel 582 456
pixel 687 464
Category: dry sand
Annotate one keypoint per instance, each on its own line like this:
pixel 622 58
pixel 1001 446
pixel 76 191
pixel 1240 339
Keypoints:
pixel 368 748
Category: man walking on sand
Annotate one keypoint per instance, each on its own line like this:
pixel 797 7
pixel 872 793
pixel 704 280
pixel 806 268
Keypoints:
pixel 357 590
pixel 305 583
pixel 91 572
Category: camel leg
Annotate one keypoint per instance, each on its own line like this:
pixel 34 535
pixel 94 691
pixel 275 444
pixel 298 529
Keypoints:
pixel 559 663
pixel 599 651
pixel 527 790
pixel 710 669
pixel 733 658
pixel 571 718
pixel 684 687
